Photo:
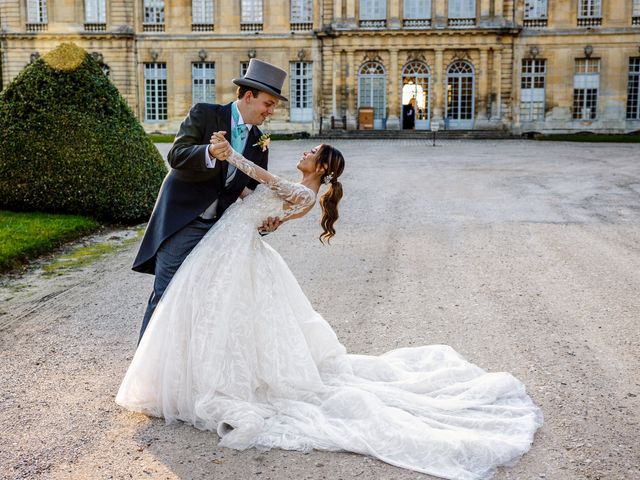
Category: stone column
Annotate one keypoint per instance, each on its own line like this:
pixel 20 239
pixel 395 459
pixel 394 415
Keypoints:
pixel 485 11
pixel 351 86
pixel 337 12
pixel 393 120
pixel 438 79
pixel 393 15
pixel 519 7
pixel 496 112
pixel 351 12
pixel 327 100
pixel 498 10
pixel 335 70
pixel 483 81
pixel 439 13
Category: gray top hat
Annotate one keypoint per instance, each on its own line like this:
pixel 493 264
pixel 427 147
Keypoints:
pixel 265 77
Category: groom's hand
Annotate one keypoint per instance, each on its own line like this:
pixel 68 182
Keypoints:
pixel 219 147
pixel 271 224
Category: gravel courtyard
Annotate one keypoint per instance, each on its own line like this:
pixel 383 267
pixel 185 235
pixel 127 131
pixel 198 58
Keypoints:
pixel 523 256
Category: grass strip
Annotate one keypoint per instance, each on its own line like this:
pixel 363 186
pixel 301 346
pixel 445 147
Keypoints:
pixel 24 236
pixel 590 137
pixel 161 138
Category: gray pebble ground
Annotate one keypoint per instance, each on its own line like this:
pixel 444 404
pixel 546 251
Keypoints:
pixel 523 256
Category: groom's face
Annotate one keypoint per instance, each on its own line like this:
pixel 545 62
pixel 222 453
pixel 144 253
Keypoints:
pixel 258 109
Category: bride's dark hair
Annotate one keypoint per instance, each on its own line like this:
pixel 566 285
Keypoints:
pixel 333 162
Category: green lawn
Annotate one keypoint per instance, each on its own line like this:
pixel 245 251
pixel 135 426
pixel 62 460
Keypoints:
pixel 24 236
pixel 161 138
pixel 592 137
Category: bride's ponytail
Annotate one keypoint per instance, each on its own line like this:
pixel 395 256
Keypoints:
pixel 333 161
pixel 329 203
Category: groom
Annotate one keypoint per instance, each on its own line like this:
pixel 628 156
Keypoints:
pixel 198 188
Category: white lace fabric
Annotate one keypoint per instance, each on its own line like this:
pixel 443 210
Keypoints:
pixel 296 195
pixel 235 347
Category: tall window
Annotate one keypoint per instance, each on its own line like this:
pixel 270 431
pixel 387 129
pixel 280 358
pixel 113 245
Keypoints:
pixel 301 15
pixel 372 89
pixel 155 91
pixel 462 13
pixel 251 15
pixel 460 95
pixel 95 11
pixel 301 91
pixel 203 89
pixel 37 11
pixel 153 15
pixel 586 82
pixel 633 95
pixel 589 13
pixel 202 15
pixel 373 13
pixel 417 13
pixel 532 89
pixel 635 15
pixel 535 13
pixel 243 68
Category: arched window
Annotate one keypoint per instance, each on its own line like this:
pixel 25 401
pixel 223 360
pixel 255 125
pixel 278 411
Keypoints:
pixel 460 95
pixel 416 95
pixel 372 89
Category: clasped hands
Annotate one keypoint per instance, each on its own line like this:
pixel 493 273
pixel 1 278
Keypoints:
pixel 220 148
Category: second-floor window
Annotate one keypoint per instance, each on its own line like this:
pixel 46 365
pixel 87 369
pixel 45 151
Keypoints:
pixel 635 14
pixel 373 13
pixel 589 13
pixel 201 13
pixel 251 15
pixel 417 13
pixel 462 12
pixel 535 13
pixel 301 11
pixel 95 11
pixel 37 11
pixel 154 12
pixel 586 82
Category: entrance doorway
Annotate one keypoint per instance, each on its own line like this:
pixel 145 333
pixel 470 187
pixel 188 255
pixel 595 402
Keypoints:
pixel 416 96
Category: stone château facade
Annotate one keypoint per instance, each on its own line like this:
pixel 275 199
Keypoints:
pixel 513 65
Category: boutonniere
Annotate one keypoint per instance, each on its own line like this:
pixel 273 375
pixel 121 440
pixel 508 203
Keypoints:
pixel 264 141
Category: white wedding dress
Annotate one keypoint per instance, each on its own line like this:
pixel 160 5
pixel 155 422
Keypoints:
pixel 234 346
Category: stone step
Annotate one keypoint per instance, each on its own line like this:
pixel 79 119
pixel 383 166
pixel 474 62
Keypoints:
pixel 416 134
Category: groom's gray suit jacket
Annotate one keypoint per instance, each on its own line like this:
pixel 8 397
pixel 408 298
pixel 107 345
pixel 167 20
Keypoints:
pixel 190 187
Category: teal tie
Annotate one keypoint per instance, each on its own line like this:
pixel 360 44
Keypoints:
pixel 239 138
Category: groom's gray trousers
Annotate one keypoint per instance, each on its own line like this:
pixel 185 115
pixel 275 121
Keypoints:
pixel 169 257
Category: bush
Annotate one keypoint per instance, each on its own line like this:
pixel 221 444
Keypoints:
pixel 70 144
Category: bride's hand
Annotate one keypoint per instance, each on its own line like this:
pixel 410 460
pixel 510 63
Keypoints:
pixel 219 147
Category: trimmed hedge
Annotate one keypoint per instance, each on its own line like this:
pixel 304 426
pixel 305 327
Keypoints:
pixel 69 143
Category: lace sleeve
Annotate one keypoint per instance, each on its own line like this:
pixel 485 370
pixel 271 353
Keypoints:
pixel 299 196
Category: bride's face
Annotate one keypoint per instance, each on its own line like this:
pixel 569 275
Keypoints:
pixel 307 163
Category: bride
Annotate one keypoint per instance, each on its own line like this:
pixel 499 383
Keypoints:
pixel 235 347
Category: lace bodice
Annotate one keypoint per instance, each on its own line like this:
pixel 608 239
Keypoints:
pixel 276 197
